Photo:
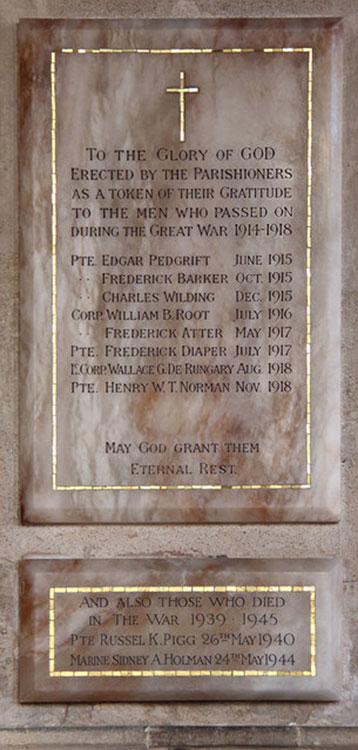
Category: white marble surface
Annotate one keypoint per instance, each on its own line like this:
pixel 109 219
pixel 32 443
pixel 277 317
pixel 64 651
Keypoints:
pixel 94 104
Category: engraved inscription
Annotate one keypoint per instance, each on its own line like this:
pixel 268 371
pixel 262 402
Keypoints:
pixel 181 286
pixel 233 631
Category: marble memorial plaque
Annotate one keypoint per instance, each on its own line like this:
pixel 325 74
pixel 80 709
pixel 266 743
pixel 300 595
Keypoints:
pixel 180 629
pixel 180 236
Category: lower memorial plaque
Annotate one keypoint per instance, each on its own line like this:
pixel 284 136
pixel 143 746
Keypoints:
pixel 180 629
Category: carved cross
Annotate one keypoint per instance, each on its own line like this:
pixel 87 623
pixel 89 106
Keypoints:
pixel 182 90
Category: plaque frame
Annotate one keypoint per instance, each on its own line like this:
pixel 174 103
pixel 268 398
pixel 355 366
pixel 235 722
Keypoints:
pixel 40 680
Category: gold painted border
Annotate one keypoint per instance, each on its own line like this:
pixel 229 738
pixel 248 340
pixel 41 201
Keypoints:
pixel 54 269
pixel 181 672
pixel 173 51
